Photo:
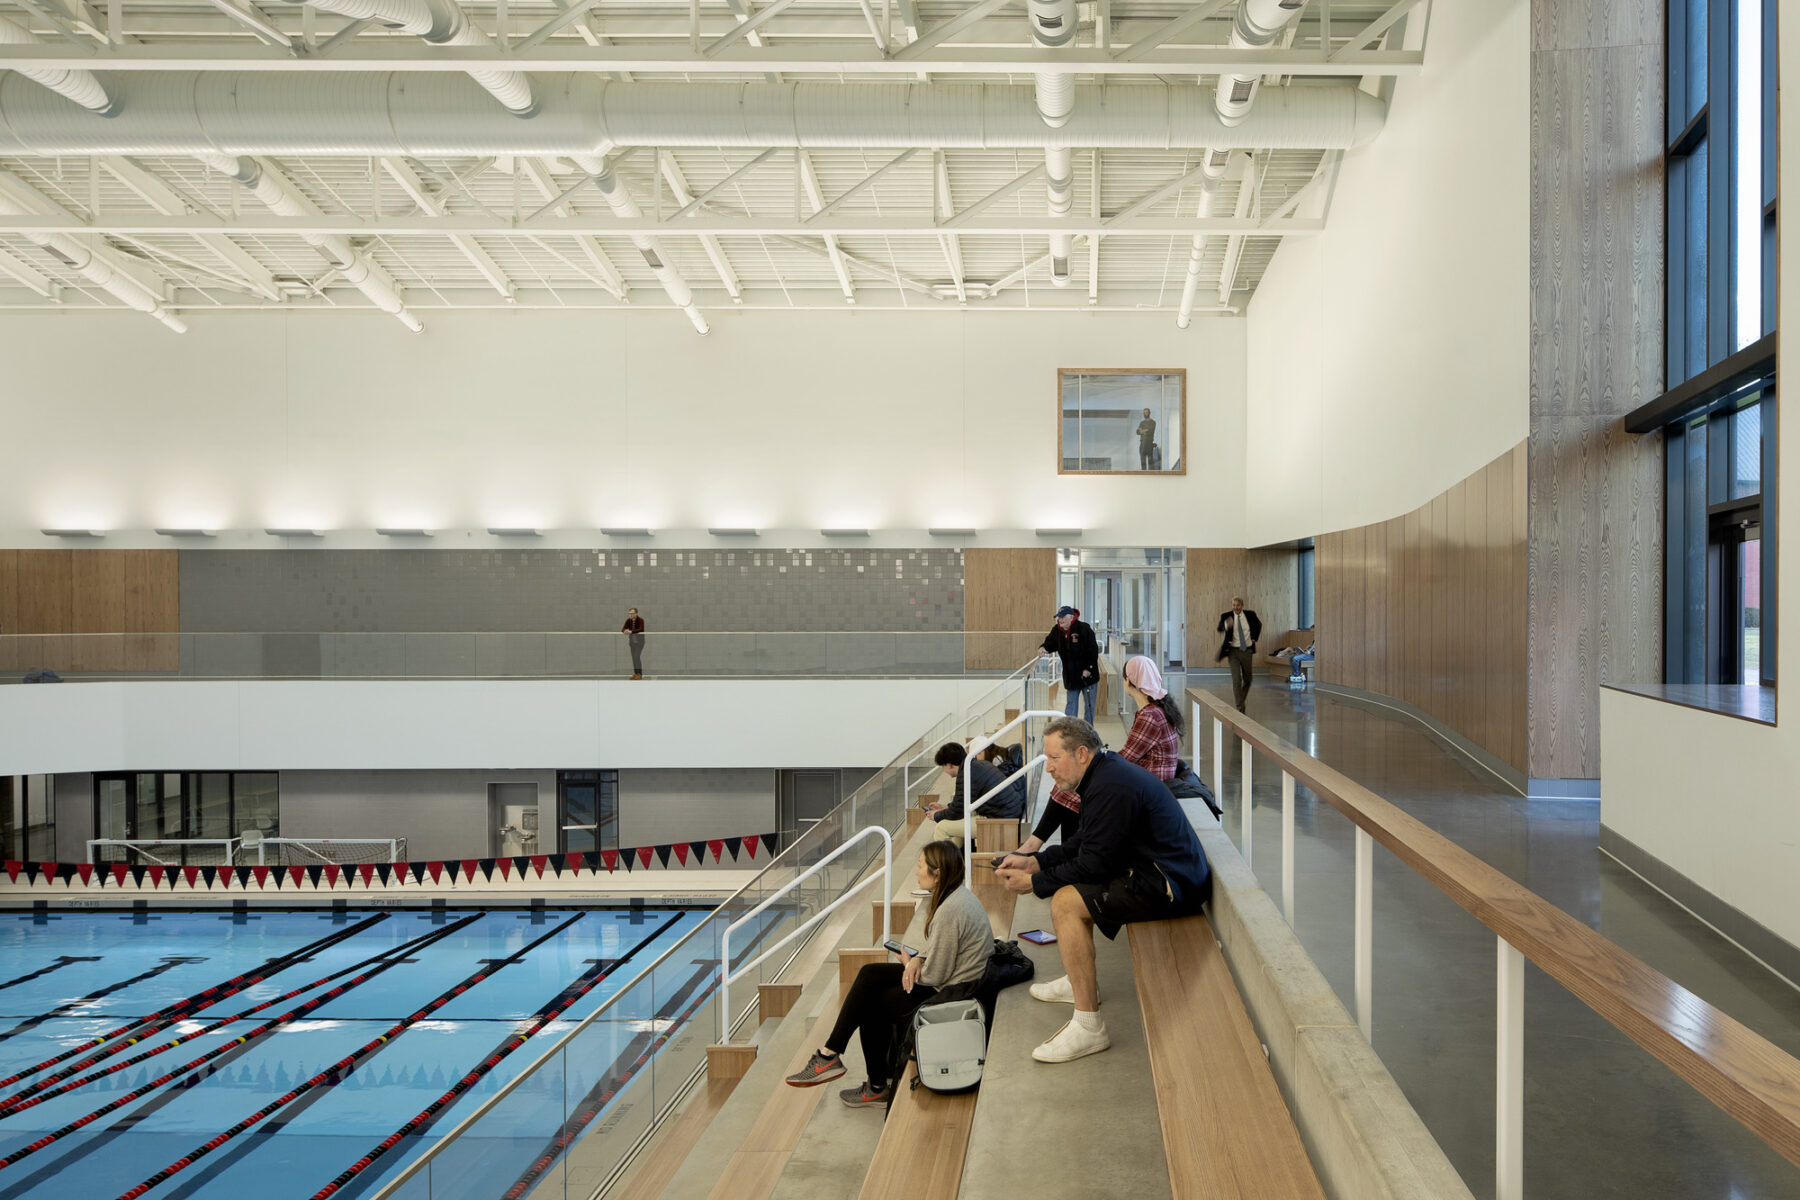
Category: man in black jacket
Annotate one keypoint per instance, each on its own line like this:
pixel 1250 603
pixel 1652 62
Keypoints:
pixel 984 777
pixel 1241 629
pixel 1134 857
pixel 1073 640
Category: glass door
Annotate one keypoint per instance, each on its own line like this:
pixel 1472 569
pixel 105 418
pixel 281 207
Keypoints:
pixel 1104 590
pixel 578 802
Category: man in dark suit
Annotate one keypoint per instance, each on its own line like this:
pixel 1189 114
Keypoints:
pixel 1241 629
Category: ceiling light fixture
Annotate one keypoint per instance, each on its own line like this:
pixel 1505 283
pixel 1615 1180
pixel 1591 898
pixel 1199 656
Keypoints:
pixel 187 533
pixel 406 533
pixel 518 532
pixel 735 532
pixel 1069 533
pixel 299 533
pixel 845 532
pixel 951 532
pixel 621 532
pixel 73 533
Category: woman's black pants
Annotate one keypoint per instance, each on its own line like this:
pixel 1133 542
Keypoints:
pixel 877 1008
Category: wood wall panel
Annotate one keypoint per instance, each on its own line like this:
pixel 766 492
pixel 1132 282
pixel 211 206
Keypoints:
pixel 1594 493
pixel 1430 608
pixel 1268 580
pixel 1009 598
pixel 87 599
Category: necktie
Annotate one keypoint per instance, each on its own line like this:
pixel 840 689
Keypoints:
pixel 1243 639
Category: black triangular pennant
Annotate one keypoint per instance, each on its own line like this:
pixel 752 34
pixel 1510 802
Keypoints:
pixel 386 871
pixel 243 876
pixel 211 875
pixel 418 871
pixel 315 873
pixel 768 843
pixel 65 871
pixel 521 864
pixel 31 871
pixel 137 875
pixel 487 869
pixel 734 845
pixel 698 851
pixel 663 852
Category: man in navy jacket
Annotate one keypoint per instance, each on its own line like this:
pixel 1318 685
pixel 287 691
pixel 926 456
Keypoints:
pixel 1134 856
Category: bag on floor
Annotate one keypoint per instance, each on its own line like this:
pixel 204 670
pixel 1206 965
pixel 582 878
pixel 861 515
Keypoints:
pixel 1008 965
pixel 1187 785
pixel 950 1043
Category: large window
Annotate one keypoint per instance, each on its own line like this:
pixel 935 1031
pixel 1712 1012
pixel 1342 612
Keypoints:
pixel 1721 181
pixel 28 817
pixel 1121 422
pixel 182 806
pixel 1306 562
pixel 587 809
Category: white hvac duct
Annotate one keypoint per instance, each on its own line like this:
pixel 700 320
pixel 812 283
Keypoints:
pixel 80 86
pixel 442 23
pixel 357 269
pixel 99 267
pixel 1258 24
pixel 624 207
pixel 1053 24
pixel 437 114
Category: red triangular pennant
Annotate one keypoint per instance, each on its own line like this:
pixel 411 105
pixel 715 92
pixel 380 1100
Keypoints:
pixel 216 873
pixel 367 871
pixel 718 850
pixel 611 859
pixel 262 876
pixel 570 863
pixel 86 871
pixel 468 869
pixel 537 863
pixel 119 871
pixel 680 853
pixel 12 870
pixel 436 869
pixel 191 874
pixel 48 870
pixel 503 865
pixel 644 853
pixel 331 874
pixel 750 844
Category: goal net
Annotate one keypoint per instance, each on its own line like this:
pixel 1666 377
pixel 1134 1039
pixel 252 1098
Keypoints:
pixel 306 852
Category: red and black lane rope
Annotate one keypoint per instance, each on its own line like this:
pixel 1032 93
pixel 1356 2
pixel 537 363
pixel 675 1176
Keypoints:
pixel 18 1102
pixel 342 1066
pixel 550 1011
pixel 65 960
pixel 181 1010
pixel 234 1045
pixel 615 1079
pixel 168 963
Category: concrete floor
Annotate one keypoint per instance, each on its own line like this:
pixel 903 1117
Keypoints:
pixel 1602 1117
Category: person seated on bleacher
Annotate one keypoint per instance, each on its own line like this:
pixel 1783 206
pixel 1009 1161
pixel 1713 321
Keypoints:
pixel 1154 742
pixel 958 943
pixel 1134 856
pixel 984 777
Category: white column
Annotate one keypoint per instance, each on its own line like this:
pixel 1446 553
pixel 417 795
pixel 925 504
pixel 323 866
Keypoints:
pixel 1509 1076
pixel 1287 847
pixel 1365 934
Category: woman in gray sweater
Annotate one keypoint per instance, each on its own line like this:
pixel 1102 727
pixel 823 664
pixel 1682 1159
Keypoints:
pixel 958 943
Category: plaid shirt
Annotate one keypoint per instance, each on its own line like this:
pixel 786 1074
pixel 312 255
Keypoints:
pixel 1152 744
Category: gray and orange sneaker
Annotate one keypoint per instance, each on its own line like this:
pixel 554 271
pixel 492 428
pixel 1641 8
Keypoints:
pixel 820 1068
pixel 866 1096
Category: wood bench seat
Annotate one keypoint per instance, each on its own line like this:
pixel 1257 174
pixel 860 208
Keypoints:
pixel 1225 1129
pixel 926 1136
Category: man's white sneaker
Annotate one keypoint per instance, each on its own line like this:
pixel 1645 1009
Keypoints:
pixel 1072 1042
pixel 1056 991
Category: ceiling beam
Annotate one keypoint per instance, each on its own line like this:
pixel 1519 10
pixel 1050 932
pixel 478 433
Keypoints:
pixel 605 273
pixel 715 251
pixel 414 187
pixel 154 191
pixel 831 58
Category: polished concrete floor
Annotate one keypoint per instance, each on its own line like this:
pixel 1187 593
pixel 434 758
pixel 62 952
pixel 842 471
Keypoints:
pixel 1602 1117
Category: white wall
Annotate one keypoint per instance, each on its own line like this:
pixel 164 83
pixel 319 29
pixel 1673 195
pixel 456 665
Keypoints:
pixel 1711 796
pixel 1389 356
pixel 441 814
pixel 468 724
pixel 785 422
pixel 683 804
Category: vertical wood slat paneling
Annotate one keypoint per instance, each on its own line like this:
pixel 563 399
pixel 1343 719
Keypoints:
pixel 85 600
pixel 1429 608
pixel 1009 599
pixel 1593 550
pixel 1268 580
pixel 9 608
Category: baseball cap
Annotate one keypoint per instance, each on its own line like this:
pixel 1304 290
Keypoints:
pixel 1066 611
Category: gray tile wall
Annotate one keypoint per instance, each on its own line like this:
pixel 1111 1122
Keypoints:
pixel 506 591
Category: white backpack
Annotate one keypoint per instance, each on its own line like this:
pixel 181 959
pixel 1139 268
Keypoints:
pixel 950 1043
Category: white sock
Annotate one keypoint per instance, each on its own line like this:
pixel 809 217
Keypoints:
pixel 1089 1021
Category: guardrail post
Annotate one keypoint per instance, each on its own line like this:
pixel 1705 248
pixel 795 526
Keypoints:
pixel 1248 830
pixel 1509 1076
pixel 1219 759
pixel 1287 847
pixel 1365 933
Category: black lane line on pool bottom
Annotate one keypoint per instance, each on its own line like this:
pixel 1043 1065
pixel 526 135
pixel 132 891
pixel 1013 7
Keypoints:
pixel 155 1022
pixel 554 1008
pixel 169 963
pixel 623 1070
pixel 342 1066
pixel 29 1097
pixel 237 1044
pixel 61 962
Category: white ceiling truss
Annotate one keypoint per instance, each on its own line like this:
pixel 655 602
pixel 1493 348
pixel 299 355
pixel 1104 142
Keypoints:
pixel 756 220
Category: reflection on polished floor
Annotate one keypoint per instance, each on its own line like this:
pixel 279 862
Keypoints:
pixel 1602 1117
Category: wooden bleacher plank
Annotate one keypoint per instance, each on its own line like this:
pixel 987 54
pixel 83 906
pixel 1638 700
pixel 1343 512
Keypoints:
pixel 1226 1132
pixel 677 1140
pixel 759 1161
pixel 926 1137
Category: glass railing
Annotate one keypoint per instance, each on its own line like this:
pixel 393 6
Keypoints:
pixel 796 653
pixel 569 1123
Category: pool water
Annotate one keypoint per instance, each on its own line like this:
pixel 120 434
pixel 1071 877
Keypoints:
pixel 417 999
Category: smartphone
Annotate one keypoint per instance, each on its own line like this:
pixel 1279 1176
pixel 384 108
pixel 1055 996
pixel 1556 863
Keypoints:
pixel 1038 937
pixel 897 948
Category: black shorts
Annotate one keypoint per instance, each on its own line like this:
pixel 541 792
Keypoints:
pixel 1134 896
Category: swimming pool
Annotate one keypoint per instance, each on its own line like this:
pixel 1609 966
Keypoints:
pixel 294 1054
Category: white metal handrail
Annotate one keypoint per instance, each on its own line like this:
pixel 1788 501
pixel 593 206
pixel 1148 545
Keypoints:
pixel 309 845
pixel 138 844
pixel 1049 665
pixel 976 747
pixel 725 973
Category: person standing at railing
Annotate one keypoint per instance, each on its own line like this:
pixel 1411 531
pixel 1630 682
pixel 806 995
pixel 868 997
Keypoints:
pixel 1073 640
pixel 1134 857
pixel 958 942
pixel 633 629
